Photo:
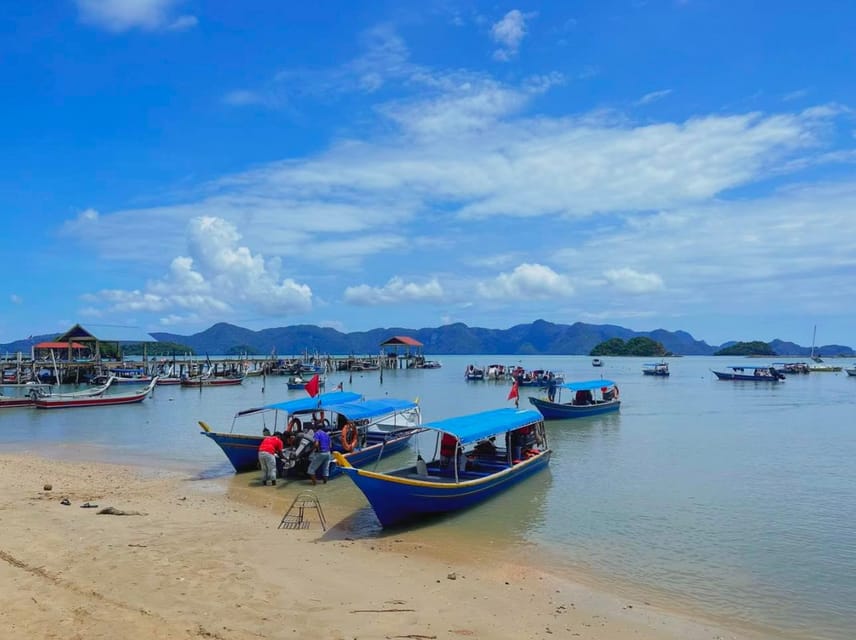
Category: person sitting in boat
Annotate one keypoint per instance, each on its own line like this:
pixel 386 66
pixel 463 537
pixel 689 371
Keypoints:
pixel 485 448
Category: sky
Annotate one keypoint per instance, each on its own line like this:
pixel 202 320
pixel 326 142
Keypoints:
pixel 674 164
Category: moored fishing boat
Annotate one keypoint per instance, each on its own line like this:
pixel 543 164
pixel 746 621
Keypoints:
pixel 363 430
pixel 20 395
pixel 212 381
pixel 656 369
pixel 851 372
pixel 590 398
pixel 470 468
pixel 103 399
pixel 298 382
pixel 751 372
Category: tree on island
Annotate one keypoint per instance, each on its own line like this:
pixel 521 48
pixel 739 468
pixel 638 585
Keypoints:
pixel 754 348
pixel 634 347
pixel 156 349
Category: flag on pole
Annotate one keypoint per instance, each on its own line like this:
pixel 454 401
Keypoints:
pixel 514 394
pixel 312 386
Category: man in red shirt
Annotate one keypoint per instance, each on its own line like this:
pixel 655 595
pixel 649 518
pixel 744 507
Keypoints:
pixel 269 450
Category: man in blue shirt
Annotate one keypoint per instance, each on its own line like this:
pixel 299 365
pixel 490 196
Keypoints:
pixel 321 457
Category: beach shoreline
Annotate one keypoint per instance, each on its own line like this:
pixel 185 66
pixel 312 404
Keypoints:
pixel 205 559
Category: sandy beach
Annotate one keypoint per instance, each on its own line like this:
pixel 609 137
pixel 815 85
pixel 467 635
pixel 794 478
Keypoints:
pixel 196 559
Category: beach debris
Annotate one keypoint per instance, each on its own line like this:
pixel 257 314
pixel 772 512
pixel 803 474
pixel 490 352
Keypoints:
pixel 113 511
pixel 48 487
pixel 415 636
pixel 65 501
pixel 88 505
pixel 382 610
pixel 452 576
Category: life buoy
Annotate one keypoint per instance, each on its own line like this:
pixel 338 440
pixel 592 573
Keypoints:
pixel 317 416
pixel 616 392
pixel 349 437
pixel 294 424
pixel 325 423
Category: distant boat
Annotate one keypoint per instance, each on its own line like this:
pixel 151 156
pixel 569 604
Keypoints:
pixel 590 398
pixel 792 367
pixel 488 452
pixel 597 362
pixel 819 368
pixel 298 382
pixel 751 372
pixel 474 372
pixel 656 369
pixel 212 381
pixel 851 372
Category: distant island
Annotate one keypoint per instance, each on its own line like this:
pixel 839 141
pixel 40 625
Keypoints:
pixel 633 347
pixel 755 348
pixel 537 338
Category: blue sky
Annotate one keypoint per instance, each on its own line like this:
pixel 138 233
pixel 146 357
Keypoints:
pixel 670 164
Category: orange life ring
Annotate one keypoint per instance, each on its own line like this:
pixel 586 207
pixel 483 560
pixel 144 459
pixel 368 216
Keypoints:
pixel 349 437
pixel 294 424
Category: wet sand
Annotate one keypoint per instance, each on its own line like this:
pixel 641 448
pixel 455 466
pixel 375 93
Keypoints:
pixel 204 558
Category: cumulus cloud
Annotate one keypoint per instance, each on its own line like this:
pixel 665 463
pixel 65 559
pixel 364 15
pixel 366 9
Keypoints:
pixel 526 282
pixel 122 15
pixel 628 280
pixel 509 33
pixel 219 278
pixel 396 291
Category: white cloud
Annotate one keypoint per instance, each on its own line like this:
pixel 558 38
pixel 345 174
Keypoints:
pixel 220 278
pixel 122 15
pixel 509 33
pixel 526 282
pixel 648 98
pixel 628 280
pixel 396 291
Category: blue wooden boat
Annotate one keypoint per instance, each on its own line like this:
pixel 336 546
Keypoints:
pixel 481 468
pixel 299 382
pixel 590 398
pixel 751 372
pixel 656 369
pixel 380 427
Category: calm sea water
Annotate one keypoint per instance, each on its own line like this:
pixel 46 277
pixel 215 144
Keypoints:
pixel 734 500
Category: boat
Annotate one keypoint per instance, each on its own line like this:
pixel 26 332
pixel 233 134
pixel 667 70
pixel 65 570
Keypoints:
pixel 383 427
pixel 474 372
pixel 536 377
pixel 212 381
pixel 824 368
pixel 792 367
pixel 656 369
pixel 69 400
pixel 751 372
pixel 298 382
pixel 851 372
pixel 596 362
pixel 590 398
pixel 481 455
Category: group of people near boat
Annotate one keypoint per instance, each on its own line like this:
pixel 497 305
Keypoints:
pixel 279 452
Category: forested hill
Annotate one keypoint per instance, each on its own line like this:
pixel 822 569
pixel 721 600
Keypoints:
pixel 537 338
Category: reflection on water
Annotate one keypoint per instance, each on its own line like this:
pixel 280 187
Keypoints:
pixel 735 499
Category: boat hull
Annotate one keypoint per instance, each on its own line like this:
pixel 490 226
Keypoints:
pixel 243 450
pixel 214 382
pixel 101 401
pixel 563 411
pixel 397 500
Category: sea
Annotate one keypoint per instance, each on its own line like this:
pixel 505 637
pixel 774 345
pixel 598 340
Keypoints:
pixel 734 501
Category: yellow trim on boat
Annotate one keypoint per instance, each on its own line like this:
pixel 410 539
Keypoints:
pixel 204 426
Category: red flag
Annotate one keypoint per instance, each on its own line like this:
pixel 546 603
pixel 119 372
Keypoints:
pixel 313 385
pixel 513 394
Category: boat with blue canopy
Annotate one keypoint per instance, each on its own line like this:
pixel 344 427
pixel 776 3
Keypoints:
pixel 751 372
pixel 363 430
pixel 656 369
pixel 470 459
pixel 590 398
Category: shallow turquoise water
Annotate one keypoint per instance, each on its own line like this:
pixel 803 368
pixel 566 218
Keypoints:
pixel 737 500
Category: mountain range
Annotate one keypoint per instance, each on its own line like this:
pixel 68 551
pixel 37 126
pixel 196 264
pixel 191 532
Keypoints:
pixel 537 338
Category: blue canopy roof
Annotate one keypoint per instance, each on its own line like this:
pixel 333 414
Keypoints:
pixel 588 385
pixel 321 401
pixel 367 409
pixel 478 426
